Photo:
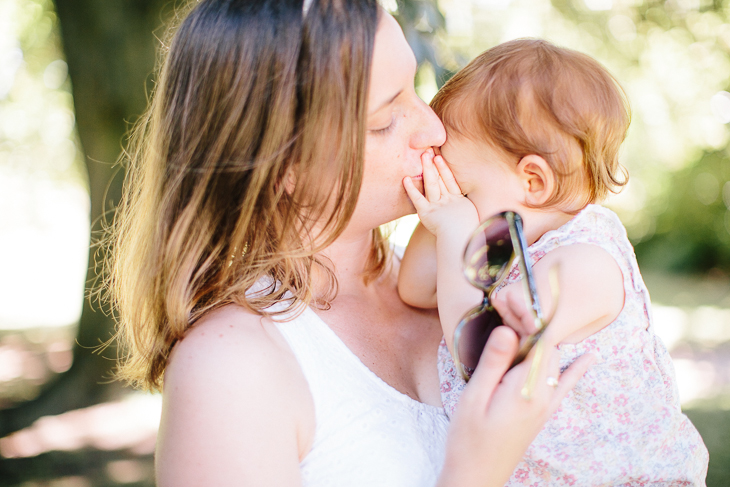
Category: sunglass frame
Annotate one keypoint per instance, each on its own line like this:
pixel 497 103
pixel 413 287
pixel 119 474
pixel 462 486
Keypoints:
pixel 519 252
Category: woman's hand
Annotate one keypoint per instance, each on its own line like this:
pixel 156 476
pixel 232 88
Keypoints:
pixel 512 307
pixel 493 425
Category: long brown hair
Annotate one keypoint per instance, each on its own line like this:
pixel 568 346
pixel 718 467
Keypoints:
pixel 247 163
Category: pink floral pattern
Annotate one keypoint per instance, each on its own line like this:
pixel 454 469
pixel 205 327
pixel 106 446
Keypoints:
pixel 622 424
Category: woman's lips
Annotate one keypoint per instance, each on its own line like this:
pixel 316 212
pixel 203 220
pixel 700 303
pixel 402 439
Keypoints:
pixel 419 177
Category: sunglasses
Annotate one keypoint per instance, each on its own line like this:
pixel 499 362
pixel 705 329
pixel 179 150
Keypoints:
pixel 488 257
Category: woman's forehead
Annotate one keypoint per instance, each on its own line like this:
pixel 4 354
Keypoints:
pixel 393 67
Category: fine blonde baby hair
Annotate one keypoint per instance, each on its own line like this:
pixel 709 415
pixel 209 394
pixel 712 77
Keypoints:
pixel 529 96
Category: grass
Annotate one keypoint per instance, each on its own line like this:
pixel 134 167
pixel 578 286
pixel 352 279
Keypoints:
pixel 711 417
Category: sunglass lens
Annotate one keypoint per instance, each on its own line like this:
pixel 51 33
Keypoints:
pixel 473 332
pixel 488 253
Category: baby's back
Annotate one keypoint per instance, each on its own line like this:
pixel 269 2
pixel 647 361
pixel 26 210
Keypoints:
pixel 622 424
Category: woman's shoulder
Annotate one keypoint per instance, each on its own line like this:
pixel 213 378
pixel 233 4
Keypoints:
pixel 233 366
pixel 230 336
pixel 238 350
pixel 236 407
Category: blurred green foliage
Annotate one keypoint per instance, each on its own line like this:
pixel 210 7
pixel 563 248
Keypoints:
pixel 692 230
pixel 37 136
pixel 672 58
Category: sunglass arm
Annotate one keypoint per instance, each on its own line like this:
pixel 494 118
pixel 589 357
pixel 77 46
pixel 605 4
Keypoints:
pixel 533 373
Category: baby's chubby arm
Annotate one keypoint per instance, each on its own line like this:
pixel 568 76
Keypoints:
pixel 417 275
pixel 450 218
pixel 590 293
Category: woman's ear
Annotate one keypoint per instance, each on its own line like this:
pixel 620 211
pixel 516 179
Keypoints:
pixel 538 179
pixel 287 183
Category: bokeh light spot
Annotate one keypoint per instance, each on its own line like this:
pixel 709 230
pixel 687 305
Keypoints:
pixel 720 104
pixel 55 74
pixel 707 188
pixel 598 5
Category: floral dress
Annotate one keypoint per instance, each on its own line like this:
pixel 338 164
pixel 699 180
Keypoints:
pixel 622 424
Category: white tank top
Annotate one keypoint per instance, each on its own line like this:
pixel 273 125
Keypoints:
pixel 367 433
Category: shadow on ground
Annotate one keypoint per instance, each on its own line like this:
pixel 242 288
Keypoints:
pixel 79 468
pixel 97 468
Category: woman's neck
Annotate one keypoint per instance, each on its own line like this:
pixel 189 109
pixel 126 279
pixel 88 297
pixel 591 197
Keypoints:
pixel 348 258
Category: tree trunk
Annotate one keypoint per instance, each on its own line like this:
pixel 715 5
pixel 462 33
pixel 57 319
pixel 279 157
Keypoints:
pixel 110 50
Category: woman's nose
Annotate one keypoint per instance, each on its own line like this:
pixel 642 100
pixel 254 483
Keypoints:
pixel 429 131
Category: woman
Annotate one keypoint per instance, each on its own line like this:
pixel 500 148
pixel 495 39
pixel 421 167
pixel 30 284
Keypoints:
pixel 250 271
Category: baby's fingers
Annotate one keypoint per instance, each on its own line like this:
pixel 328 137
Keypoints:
pixel 511 306
pixel 506 314
pixel 419 201
pixel 431 186
pixel 447 176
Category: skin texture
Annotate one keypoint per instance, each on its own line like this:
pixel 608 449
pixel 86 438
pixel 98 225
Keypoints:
pixel 236 406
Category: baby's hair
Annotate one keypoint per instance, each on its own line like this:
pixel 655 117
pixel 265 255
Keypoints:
pixel 529 96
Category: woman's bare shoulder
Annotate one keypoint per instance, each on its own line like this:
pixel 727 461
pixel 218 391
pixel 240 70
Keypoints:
pixel 237 351
pixel 234 395
pixel 230 335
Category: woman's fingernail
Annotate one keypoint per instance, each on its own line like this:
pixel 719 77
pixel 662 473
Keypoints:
pixel 500 340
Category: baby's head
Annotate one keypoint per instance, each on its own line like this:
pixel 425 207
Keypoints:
pixel 528 100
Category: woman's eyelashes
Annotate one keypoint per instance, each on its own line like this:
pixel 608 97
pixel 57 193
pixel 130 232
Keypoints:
pixel 384 130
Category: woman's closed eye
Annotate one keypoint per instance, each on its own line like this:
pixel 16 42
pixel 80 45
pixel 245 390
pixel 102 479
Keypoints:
pixel 384 130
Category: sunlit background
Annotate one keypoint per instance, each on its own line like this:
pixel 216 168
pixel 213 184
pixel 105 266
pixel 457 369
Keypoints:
pixel 672 58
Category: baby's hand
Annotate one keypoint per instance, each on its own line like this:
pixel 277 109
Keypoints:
pixel 444 206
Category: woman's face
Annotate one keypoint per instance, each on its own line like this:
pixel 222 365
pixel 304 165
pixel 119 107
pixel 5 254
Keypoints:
pixel 400 127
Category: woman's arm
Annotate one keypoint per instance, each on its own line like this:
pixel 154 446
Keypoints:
pixel 236 407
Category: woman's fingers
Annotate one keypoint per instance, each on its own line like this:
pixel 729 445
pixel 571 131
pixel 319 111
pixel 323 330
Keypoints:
pixel 569 378
pixel 511 306
pixel 494 424
pixel 494 362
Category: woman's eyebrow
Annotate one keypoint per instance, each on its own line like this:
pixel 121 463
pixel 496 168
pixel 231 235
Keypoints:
pixel 387 102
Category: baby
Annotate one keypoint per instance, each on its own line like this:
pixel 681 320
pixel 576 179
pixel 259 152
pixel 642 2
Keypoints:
pixel 536 129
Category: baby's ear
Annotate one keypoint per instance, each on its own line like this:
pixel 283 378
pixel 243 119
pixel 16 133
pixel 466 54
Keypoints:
pixel 538 179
